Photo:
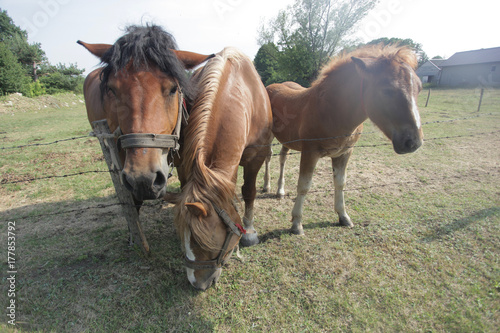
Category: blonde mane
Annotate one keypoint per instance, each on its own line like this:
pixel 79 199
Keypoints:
pixel 205 185
pixel 391 53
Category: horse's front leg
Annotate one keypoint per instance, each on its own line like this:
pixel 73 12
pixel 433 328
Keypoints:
pixel 339 166
pixel 307 164
pixel 249 191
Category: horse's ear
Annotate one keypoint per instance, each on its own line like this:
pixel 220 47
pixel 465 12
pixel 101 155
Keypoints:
pixel 363 64
pixel 191 59
pixel 197 209
pixel 96 49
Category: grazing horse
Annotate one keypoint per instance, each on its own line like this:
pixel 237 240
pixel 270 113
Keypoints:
pixel 140 91
pixel 326 119
pixel 230 124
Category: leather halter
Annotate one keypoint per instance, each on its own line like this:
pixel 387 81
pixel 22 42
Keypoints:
pixel 233 228
pixel 152 140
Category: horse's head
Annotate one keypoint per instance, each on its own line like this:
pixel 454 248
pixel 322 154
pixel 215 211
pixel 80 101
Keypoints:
pixel 143 87
pixel 209 236
pixel 389 91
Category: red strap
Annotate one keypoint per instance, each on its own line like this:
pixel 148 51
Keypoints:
pixel 243 231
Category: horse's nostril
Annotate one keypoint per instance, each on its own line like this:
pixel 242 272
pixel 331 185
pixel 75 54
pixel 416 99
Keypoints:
pixel 160 180
pixel 410 144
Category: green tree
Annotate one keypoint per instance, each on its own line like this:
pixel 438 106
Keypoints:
pixel 17 41
pixel 12 75
pixel 309 32
pixel 18 59
pixel 60 78
pixel 266 63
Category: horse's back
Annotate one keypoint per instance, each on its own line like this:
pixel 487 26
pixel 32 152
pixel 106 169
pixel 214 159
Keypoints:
pixel 286 93
pixel 293 85
pixel 232 110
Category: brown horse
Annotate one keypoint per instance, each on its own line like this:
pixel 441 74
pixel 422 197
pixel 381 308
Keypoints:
pixel 326 119
pixel 140 91
pixel 232 113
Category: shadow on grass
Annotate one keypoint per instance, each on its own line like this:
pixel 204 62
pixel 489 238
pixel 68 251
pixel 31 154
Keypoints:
pixel 460 224
pixel 76 271
pixel 277 233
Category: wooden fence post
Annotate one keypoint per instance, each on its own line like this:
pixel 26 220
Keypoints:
pixel 110 152
pixel 428 95
pixel 480 100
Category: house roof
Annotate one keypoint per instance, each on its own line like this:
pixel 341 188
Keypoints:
pixel 428 68
pixel 437 62
pixel 473 57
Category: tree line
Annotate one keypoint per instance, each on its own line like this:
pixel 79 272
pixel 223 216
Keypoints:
pixel 301 39
pixel 24 67
pixel 294 46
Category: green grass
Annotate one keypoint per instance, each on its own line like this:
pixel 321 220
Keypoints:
pixel 423 255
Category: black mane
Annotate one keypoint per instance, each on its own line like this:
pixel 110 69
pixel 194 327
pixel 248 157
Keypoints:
pixel 145 46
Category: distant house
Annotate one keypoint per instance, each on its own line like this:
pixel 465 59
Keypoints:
pixel 430 71
pixel 472 68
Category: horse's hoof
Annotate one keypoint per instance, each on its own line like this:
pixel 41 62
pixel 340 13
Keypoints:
pixel 298 231
pixel 346 222
pixel 280 195
pixel 249 239
pixel 266 190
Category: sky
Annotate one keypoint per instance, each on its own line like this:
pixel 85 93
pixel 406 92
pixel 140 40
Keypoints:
pixel 442 27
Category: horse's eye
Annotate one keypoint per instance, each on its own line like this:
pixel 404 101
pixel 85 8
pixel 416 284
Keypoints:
pixel 173 90
pixel 112 91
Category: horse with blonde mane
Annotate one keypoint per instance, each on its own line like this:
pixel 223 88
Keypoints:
pixel 230 124
pixel 326 120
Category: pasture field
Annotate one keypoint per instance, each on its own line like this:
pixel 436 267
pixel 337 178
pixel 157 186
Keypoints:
pixel 424 255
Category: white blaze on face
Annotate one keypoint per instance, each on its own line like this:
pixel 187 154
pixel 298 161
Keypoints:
pixel 416 114
pixel 190 256
pixel 414 107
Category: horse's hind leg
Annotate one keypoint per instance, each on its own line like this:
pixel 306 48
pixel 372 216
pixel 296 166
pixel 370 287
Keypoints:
pixel 249 191
pixel 307 165
pixel 281 180
pixel 339 166
pixel 267 176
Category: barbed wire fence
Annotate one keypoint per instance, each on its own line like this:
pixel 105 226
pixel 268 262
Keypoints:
pixel 159 202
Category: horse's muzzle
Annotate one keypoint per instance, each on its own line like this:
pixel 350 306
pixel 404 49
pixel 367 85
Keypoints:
pixel 146 186
pixel 407 141
pixel 207 281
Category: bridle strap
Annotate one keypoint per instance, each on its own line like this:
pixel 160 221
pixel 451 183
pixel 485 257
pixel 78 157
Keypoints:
pixel 148 140
pixel 220 261
pixel 182 109
pixel 235 228
pixel 210 264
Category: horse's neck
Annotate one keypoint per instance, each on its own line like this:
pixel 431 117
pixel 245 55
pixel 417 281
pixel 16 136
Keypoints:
pixel 341 98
